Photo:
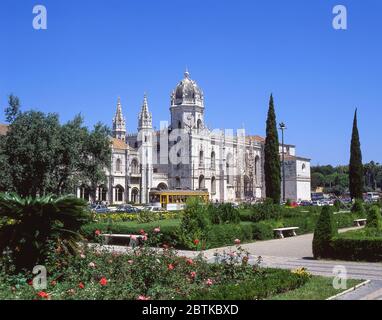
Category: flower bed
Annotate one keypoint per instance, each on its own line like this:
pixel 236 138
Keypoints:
pixel 146 274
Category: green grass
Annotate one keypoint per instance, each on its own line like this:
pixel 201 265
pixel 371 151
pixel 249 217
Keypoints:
pixel 317 288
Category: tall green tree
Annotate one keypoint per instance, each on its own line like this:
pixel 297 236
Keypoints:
pixel 272 158
pixel 356 171
pixel 31 150
pixel 96 157
pixel 13 109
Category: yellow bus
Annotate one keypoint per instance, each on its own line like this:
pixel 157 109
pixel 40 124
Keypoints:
pixel 176 199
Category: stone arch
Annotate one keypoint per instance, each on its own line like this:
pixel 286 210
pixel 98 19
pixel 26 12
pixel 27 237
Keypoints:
pixel 162 186
pixel 119 193
pixel 134 166
pixel 202 182
pixel 135 195
pixel 213 185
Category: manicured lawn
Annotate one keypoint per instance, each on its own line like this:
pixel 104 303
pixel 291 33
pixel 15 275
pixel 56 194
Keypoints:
pixel 317 288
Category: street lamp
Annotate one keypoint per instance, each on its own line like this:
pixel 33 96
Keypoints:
pixel 282 127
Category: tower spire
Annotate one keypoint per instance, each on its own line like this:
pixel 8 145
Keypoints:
pixel 145 117
pixel 119 123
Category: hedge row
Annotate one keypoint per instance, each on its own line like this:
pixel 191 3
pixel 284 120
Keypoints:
pixel 267 284
pixel 263 230
pixel 356 249
pixel 218 236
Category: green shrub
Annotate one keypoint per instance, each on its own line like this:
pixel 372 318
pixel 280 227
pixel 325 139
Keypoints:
pixel 374 219
pixel 337 205
pixel 195 224
pixel 261 287
pixel 169 229
pixel 223 213
pixel 226 234
pixel 356 249
pixel 39 222
pixel 358 207
pixel 324 232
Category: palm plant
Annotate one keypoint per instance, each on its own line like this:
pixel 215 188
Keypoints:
pixel 30 224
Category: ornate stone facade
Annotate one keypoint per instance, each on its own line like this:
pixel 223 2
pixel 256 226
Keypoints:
pixel 185 154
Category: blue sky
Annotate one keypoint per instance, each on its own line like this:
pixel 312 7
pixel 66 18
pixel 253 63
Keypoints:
pixel 239 51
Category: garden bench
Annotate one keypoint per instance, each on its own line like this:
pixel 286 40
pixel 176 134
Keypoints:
pixel 280 231
pixel 134 239
pixel 360 222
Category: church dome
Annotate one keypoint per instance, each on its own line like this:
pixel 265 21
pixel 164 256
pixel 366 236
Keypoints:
pixel 187 92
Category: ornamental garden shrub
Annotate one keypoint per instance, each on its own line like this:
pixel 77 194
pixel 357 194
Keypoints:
pixel 324 232
pixel 37 223
pixel 358 207
pixel 195 224
pixel 374 219
pixel 223 213
pixel 225 234
pixel 337 205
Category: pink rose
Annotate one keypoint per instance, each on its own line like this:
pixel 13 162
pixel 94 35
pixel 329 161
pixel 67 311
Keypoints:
pixel 193 274
pixel 237 242
pixel 157 230
pixel 143 298
pixel 209 282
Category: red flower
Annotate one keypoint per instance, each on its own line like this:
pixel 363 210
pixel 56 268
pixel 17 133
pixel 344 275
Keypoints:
pixel 196 242
pixel 81 285
pixel 43 295
pixel 97 233
pixel 30 282
pixel 53 283
pixel 190 261
pixel 193 274
pixel 142 232
pixel 171 267
pixel 237 241
pixel 209 282
pixel 103 282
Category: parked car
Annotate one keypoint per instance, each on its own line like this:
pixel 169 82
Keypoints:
pixel 154 209
pixel 123 208
pixel 100 208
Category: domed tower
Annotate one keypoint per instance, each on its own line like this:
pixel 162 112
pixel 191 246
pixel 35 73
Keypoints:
pixel 187 105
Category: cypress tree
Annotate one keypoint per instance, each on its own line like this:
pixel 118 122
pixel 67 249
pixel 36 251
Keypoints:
pixel 355 166
pixel 271 157
pixel 325 230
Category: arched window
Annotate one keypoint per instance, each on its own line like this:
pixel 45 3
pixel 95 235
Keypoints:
pixel 202 183
pixel 229 168
pixel 102 193
pixel 201 159
pixel 213 185
pixel 134 167
pixel 135 195
pixel 177 183
pixel 199 125
pixel 257 170
pixel 118 165
pixel 162 186
pixel 85 193
pixel 119 190
pixel 213 160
